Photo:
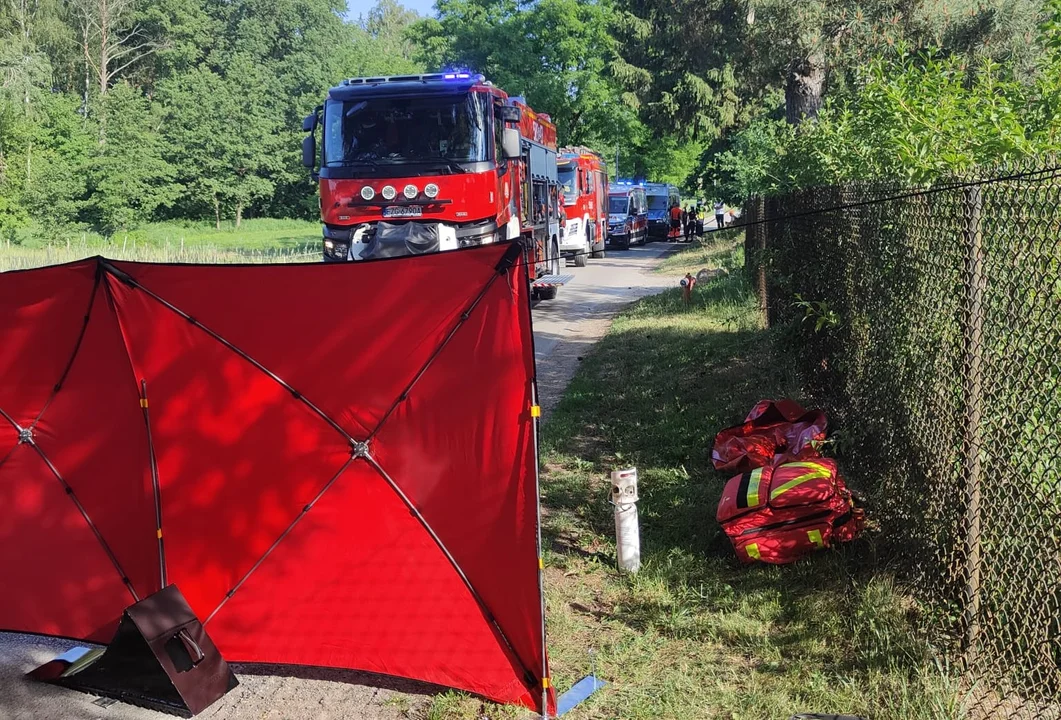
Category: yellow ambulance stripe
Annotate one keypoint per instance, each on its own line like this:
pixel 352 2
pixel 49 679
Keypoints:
pixel 753 487
pixel 820 472
pixel 805 465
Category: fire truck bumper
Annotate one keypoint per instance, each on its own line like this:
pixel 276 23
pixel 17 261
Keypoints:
pixel 359 242
pixel 574 238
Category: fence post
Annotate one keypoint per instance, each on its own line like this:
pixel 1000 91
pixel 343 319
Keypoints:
pixel 974 328
pixel 760 252
pixel 748 217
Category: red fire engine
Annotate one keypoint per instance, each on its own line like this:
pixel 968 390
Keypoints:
pixel 414 164
pixel 584 176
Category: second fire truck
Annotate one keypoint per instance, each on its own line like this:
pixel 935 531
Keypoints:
pixel 584 176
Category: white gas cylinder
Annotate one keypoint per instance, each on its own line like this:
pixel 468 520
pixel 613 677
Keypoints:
pixel 627 532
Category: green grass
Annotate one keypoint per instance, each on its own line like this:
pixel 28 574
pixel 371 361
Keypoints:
pixel 694 635
pixel 256 240
pixel 707 254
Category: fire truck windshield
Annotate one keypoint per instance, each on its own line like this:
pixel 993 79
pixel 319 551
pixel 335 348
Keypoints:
pixel 566 174
pixel 378 131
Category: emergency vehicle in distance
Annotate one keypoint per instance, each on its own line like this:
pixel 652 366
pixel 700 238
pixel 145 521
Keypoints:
pixel 413 164
pixel 661 197
pixel 583 175
pixel 627 214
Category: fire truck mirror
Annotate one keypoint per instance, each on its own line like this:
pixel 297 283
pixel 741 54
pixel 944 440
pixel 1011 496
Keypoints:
pixel 309 123
pixel 309 151
pixel 509 113
pixel 510 143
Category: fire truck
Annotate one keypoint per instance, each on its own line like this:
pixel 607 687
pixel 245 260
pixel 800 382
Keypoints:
pixel 584 176
pixel 413 164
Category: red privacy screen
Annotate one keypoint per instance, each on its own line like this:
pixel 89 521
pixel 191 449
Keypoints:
pixel 336 464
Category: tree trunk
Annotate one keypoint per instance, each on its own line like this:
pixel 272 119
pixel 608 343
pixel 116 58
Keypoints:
pixel 217 212
pixel 803 89
pixel 239 213
pixel 104 49
pixel 108 45
pixel 84 101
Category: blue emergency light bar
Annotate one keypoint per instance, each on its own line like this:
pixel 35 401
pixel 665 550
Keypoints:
pixel 422 78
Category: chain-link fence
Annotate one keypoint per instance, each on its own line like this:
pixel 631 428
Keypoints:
pixel 930 330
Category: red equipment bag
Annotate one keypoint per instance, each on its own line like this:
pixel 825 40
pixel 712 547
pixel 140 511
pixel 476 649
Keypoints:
pixel 774 432
pixel 779 514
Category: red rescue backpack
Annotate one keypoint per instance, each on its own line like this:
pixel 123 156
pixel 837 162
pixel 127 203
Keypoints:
pixel 778 514
pixel 775 431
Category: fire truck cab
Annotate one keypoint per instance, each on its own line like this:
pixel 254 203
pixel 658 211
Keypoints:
pixel 414 164
pixel 584 176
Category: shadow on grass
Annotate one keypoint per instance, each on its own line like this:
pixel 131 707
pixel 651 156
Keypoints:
pixel 653 395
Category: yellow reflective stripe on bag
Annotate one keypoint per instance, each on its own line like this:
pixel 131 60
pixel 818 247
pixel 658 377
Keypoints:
pixel 752 550
pixel 753 487
pixel 815 536
pixel 818 471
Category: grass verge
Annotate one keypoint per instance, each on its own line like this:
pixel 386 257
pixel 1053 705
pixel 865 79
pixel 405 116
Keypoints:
pixel 256 240
pixel 694 635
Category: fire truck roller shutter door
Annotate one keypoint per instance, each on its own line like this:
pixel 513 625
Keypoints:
pixel 542 164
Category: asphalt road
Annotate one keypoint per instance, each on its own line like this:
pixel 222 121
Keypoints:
pixel 564 330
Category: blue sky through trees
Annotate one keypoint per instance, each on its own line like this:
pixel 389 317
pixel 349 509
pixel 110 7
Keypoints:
pixel 361 7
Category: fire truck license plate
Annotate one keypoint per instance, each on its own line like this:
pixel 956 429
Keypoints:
pixel 403 211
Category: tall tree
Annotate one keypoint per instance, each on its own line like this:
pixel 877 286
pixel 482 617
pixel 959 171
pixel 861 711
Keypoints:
pixel 557 53
pixel 227 150
pixel 128 178
pixel 386 26
pixel 110 39
pixel 706 65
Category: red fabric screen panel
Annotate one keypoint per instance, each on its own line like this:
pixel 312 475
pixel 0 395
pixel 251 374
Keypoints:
pixel 41 316
pixel 57 578
pixel 446 593
pixel 93 432
pixel 459 423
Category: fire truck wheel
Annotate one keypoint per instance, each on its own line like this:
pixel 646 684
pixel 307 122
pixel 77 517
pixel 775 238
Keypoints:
pixel 581 256
pixel 595 252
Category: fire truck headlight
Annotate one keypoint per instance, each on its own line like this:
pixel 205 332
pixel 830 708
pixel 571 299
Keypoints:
pixel 389 193
pixel 431 190
pixel 410 191
pixel 367 193
pixel 336 249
